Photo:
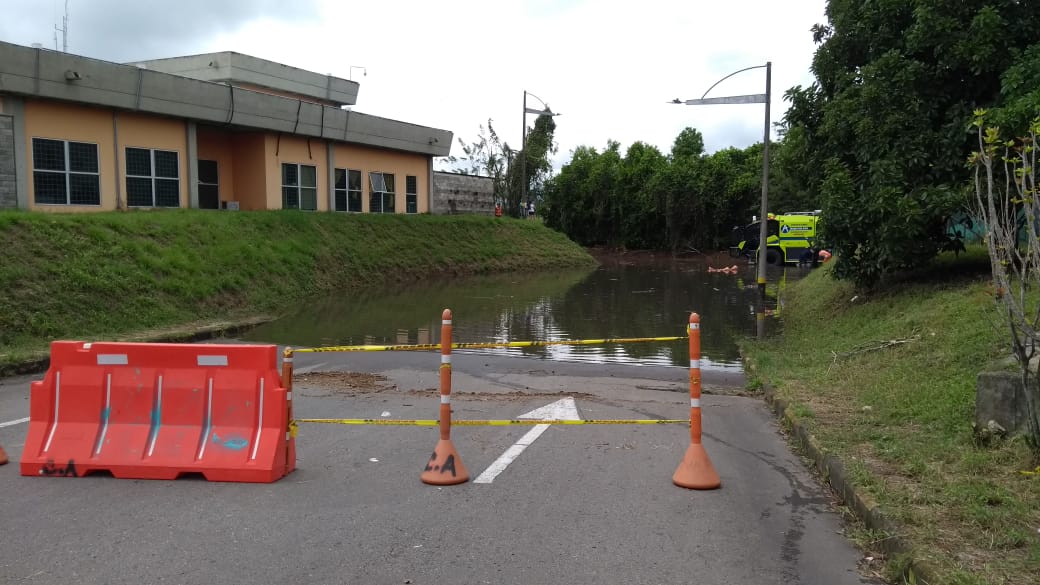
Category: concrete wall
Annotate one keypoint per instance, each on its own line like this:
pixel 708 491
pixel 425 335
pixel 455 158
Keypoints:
pixel 8 171
pixel 455 193
pixel 8 177
pixel 999 397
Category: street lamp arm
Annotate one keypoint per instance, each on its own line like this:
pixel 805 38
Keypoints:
pixel 731 75
pixel 537 98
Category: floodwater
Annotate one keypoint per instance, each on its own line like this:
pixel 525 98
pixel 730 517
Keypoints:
pixel 625 297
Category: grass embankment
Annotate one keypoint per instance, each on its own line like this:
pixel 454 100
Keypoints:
pixel 107 275
pixel 899 417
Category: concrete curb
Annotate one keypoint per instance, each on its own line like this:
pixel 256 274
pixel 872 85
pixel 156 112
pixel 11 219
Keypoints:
pixel 203 333
pixel 866 509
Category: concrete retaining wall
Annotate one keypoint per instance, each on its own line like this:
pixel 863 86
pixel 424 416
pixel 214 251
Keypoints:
pixel 455 193
pixel 999 397
pixel 8 178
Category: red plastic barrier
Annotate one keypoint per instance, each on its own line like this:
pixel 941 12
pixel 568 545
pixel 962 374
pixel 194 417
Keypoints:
pixel 160 410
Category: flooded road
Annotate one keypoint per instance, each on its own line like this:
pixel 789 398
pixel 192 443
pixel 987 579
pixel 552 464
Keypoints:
pixel 626 296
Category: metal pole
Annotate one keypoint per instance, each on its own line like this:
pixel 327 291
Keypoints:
pixel 523 154
pixel 765 189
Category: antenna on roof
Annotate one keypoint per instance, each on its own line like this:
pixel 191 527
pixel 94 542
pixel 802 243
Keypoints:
pixel 64 31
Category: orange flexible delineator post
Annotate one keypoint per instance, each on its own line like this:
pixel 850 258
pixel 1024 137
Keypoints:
pixel 445 466
pixel 696 471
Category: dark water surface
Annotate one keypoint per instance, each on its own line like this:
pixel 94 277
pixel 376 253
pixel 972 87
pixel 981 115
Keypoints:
pixel 621 298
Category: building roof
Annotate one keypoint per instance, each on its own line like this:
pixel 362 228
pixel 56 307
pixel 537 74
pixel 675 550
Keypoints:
pixel 237 69
pixel 42 73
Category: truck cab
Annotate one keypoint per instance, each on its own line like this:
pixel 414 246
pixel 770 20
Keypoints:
pixel 789 238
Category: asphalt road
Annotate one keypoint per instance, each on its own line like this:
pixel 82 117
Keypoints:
pixel 582 504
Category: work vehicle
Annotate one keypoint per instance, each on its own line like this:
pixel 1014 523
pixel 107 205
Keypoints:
pixel 790 238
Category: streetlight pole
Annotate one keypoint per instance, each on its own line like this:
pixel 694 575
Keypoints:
pixel 751 99
pixel 523 140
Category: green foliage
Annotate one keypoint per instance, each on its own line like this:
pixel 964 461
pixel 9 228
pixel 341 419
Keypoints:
pixel 645 200
pixel 886 119
pixel 508 168
pixel 101 274
pixel 900 416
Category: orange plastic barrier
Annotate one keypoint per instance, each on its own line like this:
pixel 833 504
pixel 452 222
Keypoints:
pixel 157 411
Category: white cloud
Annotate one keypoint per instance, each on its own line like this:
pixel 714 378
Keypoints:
pixel 609 66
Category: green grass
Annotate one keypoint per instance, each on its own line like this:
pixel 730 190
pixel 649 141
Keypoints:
pixel 900 416
pixel 67 276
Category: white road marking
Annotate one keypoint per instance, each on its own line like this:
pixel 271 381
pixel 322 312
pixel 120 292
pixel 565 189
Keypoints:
pixel 564 409
pixel 11 423
pixel 310 368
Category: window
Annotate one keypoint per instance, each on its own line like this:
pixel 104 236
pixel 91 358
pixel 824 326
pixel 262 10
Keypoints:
pixel 152 178
pixel 381 197
pixel 412 192
pixel 299 187
pixel 348 190
pixel 209 197
pixel 65 173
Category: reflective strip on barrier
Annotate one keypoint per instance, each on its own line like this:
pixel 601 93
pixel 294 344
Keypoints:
pixel 212 360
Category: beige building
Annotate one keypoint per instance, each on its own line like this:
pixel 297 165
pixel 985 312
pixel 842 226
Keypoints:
pixel 222 130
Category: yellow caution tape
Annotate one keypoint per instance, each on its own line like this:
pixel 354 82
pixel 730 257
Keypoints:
pixel 1034 472
pixel 294 429
pixel 483 423
pixel 433 346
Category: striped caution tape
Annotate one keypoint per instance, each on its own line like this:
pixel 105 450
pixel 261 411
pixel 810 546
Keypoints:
pixel 483 423
pixel 434 346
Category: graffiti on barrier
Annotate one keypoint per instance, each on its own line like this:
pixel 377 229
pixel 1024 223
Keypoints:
pixel 51 469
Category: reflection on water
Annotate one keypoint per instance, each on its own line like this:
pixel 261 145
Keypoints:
pixel 648 299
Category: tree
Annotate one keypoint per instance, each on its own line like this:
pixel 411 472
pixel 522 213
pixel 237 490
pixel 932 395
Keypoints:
pixel 539 145
pixel 645 200
pixel 1005 195
pixel 882 130
pixel 487 156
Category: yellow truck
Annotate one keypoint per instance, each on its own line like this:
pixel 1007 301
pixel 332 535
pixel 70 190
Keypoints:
pixel 790 238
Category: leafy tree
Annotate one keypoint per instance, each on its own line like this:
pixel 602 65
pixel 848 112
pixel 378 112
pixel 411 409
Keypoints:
pixel 487 156
pixel 882 131
pixel 490 157
pixel 539 145
pixel 645 200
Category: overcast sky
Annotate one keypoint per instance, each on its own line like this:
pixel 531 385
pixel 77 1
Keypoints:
pixel 609 66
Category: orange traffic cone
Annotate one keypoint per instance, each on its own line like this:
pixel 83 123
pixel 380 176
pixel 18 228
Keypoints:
pixel 445 466
pixel 696 471
pixel 3 456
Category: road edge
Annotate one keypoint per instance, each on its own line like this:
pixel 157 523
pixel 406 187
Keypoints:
pixel 832 470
